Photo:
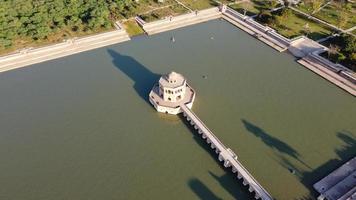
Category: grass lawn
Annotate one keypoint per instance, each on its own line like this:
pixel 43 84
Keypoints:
pixel 227 1
pixel 331 13
pixel 304 7
pixel 56 37
pixel 252 7
pixel 164 12
pixel 144 6
pixel 263 4
pixel 132 28
pixel 294 25
pixel 199 4
pixel 248 6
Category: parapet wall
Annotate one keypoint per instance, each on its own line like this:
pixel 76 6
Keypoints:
pixel 261 32
pixel 30 55
pixel 302 47
pixel 170 23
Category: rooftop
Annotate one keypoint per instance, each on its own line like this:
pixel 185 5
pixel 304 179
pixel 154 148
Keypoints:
pixel 188 97
pixel 172 80
pixel 340 184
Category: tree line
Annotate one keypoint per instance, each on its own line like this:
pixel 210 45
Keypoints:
pixel 37 19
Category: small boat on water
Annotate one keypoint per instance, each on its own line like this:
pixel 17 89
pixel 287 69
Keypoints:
pixel 292 171
pixel 173 39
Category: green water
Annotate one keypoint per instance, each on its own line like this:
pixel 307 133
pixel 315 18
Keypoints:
pixel 80 127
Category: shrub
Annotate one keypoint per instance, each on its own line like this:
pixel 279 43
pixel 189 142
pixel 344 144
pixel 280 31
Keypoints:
pixel 266 17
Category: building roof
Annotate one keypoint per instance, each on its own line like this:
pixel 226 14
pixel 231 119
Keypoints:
pixel 172 80
pixel 340 184
pixel 187 98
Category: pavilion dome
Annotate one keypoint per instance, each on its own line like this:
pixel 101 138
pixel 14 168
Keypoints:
pixel 172 79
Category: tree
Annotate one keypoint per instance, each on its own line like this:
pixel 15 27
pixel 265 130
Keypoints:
pixel 353 56
pixel 265 16
pixel 353 60
pixel 5 43
pixel 306 29
pixel 333 50
pixel 29 19
pixel 273 3
pixel 343 49
pixel 350 42
pixel 343 17
pixel 340 57
pixel 316 5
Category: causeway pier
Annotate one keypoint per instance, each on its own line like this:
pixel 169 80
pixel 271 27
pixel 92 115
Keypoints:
pixel 225 155
pixel 173 95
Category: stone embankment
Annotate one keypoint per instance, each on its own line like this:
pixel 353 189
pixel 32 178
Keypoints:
pixel 31 56
pixel 263 33
pixel 170 23
pixel 335 73
pixel 309 53
pixel 302 47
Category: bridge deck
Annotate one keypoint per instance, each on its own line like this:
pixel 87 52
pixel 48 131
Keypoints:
pixel 226 155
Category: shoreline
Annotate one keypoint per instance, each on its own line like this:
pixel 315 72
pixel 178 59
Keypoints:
pixel 170 23
pixel 37 55
pixel 317 67
pixel 304 49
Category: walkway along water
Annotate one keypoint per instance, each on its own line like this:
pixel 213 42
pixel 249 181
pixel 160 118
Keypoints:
pixel 301 47
pixel 306 50
pixel 340 76
pixel 170 23
pixel 173 95
pixel 225 154
pixel 71 46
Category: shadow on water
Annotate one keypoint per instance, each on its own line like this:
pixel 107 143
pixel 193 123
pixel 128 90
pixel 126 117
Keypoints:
pixel 201 190
pixel 229 184
pixel 229 180
pixel 272 141
pixel 349 148
pixel 308 178
pixel 144 79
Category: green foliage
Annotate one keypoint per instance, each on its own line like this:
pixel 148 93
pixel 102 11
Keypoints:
pixel 350 42
pixel 37 19
pixel 266 17
pixel 346 51
pixel 341 57
pixel 347 43
pixel 353 57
